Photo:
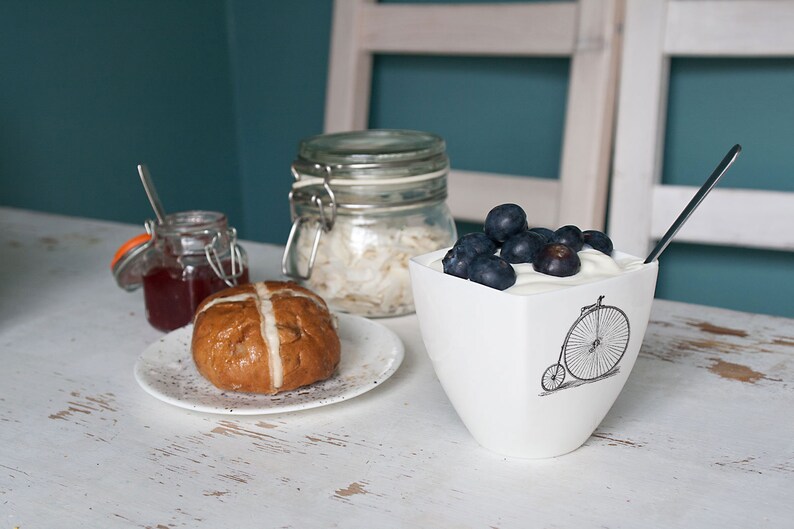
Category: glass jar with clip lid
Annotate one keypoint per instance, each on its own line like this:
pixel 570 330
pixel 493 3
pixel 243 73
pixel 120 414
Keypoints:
pixel 362 204
pixel 179 262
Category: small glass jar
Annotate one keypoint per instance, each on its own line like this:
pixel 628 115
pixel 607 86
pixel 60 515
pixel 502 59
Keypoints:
pixel 191 255
pixel 363 203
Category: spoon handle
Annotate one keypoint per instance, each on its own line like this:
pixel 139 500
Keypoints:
pixel 151 192
pixel 695 202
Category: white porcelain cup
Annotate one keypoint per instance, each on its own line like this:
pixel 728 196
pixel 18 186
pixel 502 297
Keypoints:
pixel 532 375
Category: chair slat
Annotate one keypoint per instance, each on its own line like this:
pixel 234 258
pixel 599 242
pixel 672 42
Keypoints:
pixel 736 28
pixel 470 29
pixel 641 207
pixel 468 190
pixel 586 31
pixel 750 218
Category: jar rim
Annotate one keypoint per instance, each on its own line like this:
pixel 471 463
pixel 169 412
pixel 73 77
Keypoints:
pixel 127 264
pixel 191 221
pixel 381 147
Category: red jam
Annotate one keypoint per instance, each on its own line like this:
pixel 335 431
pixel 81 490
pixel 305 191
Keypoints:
pixel 172 294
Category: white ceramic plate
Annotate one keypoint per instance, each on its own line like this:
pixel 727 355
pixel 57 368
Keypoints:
pixel 371 353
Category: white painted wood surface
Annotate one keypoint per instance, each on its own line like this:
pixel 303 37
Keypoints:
pixel 670 200
pixel 538 196
pixel 701 436
pixel 587 31
pixel 641 207
pixel 738 28
pixel 537 29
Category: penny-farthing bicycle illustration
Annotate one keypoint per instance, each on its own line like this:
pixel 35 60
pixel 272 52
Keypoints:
pixel 593 347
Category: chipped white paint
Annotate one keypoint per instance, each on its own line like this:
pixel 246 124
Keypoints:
pixel 700 437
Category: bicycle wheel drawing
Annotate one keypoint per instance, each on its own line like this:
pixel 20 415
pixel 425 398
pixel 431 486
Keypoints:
pixel 553 377
pixel 593 346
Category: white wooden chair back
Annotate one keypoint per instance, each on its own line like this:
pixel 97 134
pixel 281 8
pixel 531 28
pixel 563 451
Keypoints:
pixel 642 208
pixel 586 31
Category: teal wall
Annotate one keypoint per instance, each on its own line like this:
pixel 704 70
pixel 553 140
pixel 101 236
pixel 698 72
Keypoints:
pixel 90 88
pixel 497 114
pixel 712 104
pixel 215 96
pixel 280 57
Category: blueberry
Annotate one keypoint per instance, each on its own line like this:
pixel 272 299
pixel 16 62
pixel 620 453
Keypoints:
pixel 598 240
pixel 492 271
pixel 478 242
pixel 544 232
pixel 570 236
pixel 557 260
pixel 457 260
pixel 505 220
pixel 522 247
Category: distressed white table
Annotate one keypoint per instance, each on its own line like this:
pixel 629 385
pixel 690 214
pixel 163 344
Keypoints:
pixel 702 436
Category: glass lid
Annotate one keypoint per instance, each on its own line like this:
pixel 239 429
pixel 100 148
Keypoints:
pixel 376 146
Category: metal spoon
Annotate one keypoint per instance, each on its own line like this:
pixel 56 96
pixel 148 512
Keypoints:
pixel 695 202
pixel 151 192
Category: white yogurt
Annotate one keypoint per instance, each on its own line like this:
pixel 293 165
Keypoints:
pixel 595 266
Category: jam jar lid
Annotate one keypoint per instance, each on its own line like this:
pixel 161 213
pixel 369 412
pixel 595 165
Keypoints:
pixel 126 264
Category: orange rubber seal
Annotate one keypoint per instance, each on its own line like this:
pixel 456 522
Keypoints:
pixel 133 243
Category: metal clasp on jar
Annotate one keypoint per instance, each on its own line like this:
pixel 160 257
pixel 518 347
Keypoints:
pixel 235 260
pixel 322 223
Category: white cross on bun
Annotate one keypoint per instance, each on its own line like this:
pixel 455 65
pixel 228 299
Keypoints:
pixel 265 337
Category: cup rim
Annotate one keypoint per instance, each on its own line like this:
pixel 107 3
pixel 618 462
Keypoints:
pixel 424 261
